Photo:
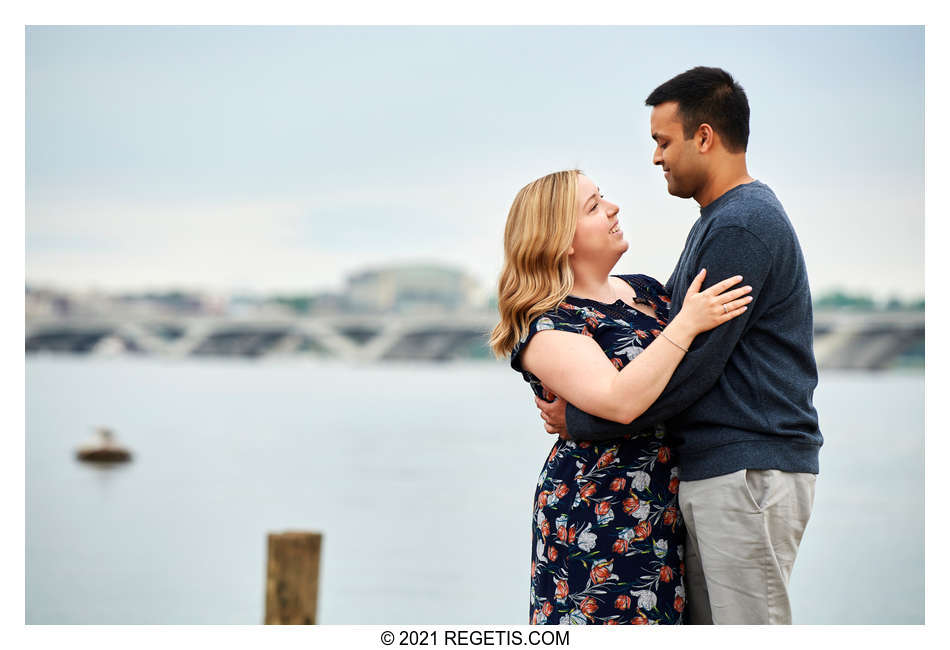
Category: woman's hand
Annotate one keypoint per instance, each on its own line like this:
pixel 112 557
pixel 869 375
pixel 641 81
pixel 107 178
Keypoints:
pixel 704 310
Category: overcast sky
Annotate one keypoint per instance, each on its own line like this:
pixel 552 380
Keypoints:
pixel 285 158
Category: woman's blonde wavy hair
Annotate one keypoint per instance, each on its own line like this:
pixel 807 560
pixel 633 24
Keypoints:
pixel 536 275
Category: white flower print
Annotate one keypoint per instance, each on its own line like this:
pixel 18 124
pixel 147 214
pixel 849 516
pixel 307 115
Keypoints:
pixel 679 551
pixel 639 480
pixel 586 541
pixel 632 352
pixel 545 323
pixel 606 518
pixel 643 511
pixel 660 548
pixel 540 518
pixel 646 599
pixel 575 617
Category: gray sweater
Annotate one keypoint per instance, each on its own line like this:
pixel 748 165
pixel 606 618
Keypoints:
pixel 742 396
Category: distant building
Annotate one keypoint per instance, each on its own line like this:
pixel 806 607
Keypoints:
pixel 411 288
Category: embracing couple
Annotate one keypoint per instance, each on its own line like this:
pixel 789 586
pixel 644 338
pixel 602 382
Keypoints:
pixel 684 473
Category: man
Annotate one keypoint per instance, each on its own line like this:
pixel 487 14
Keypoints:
pixel 739 407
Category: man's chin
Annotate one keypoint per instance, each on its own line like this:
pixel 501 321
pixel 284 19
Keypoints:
pixel 678 192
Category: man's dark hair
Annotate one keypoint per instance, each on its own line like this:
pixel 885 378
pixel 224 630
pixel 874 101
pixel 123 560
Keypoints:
pixel 712 96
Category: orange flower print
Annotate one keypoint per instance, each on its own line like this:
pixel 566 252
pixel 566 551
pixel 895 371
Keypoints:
pixel 618 484
pixel 642 530
pixel 631 504
pixel 602 508
pixel 618 364
pixel 562 533
pixel 571 535
pixel 640 334
pixel 552 454
pixel 588 606
pixel 655 333
pixel 561 590
pixel 663 455
pixel 600 572
pixel 543 499
pixel 588 490
pixel 666 573
pixel 552 553
pixel 678 604
pixel 545 528
pixel 622 602
pixel 561 491
pixel 665 299
pixel 620 546
pixel 607 457
pixel 640 619
pixel 547 609
pixel 534 617
pixel 611 622
pixel 669 516
pixel 674 485
pixel 586 332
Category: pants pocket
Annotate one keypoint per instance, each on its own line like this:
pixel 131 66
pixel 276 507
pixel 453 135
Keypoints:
pixel 754 482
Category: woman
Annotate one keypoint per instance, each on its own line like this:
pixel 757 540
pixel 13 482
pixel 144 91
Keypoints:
pixel 607 544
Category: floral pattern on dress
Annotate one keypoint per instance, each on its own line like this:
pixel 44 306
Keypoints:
pixel 607 536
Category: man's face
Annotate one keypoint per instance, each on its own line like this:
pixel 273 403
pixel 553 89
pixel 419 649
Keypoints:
pixel 678 156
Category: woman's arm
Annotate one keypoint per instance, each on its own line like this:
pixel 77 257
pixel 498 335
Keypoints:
pixel 574 367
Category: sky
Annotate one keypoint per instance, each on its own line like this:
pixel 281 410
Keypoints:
pixel 285 158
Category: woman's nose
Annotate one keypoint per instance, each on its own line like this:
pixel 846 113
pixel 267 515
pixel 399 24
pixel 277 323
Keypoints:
pixel 613 208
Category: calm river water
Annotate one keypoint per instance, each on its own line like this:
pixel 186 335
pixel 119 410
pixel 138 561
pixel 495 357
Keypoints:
pixel 420 477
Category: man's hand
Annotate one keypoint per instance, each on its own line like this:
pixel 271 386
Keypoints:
pixel 553 414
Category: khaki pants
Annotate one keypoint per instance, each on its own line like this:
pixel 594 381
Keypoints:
pixel 743 532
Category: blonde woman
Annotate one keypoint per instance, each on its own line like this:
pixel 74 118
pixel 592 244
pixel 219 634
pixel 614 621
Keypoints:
pixel 608 537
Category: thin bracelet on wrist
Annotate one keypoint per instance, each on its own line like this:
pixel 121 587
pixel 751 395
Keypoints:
pixel 663 334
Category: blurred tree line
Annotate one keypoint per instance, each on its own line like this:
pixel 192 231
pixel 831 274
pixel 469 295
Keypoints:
pixel 839 299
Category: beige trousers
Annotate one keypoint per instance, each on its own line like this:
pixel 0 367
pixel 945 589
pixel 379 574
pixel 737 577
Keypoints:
pixel 743 531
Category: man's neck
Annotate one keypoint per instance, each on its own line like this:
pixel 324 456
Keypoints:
pixel 727 178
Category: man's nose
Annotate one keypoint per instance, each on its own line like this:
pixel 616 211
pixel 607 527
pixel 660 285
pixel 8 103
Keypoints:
pixel 657 157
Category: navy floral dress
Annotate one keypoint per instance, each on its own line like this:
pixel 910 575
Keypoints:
pixel 608 537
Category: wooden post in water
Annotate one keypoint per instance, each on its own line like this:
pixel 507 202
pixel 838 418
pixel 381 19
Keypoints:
pixel 293 573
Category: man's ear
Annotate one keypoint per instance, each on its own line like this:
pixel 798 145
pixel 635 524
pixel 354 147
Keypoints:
pixel 704 137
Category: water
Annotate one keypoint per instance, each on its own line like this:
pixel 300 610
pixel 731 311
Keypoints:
pixel 420 477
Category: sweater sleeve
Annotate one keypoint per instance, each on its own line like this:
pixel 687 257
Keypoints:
pixel 727 251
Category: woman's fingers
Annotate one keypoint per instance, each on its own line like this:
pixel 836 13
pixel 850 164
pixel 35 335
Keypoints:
pixel 729 315
pixel 735 294
pixel 735 304
pixel 719 287
pixel 696 283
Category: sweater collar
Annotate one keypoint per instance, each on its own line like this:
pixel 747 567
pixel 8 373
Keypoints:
pixel 726 196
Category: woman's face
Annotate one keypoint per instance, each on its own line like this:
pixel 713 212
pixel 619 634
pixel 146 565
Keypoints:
pixel 598 231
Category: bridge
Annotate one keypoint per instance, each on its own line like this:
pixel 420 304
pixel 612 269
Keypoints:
pixel 844 340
